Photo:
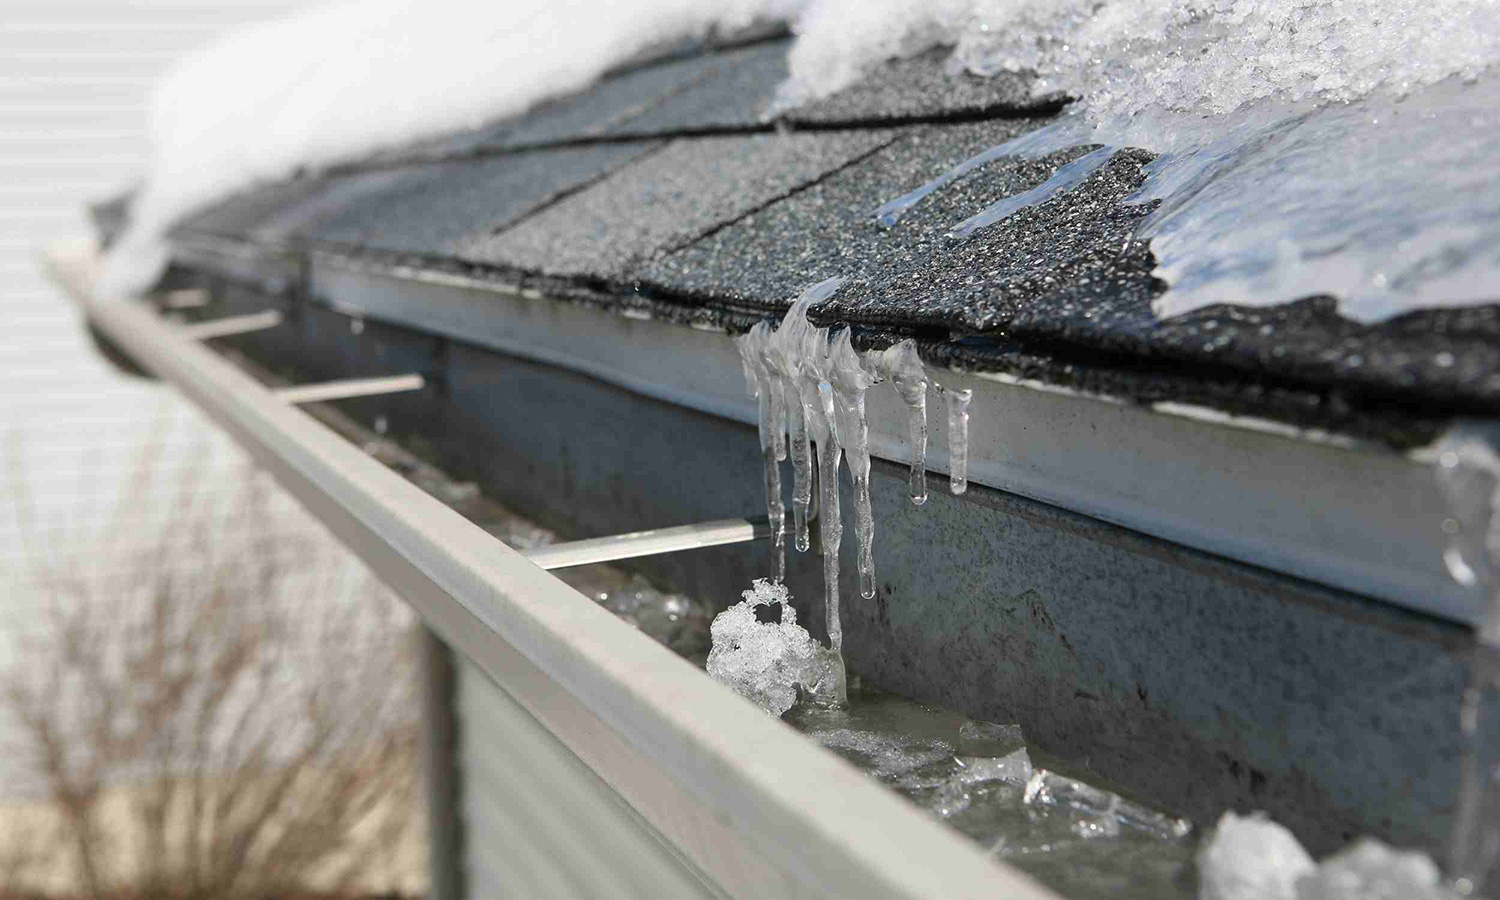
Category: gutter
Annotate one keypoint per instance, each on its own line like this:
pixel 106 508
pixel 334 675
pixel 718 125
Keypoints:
pixel 754 807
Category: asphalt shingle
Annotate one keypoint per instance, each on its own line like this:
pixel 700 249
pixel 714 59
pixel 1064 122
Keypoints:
pixel 688 189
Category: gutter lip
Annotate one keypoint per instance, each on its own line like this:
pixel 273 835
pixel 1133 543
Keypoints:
pixel 734 790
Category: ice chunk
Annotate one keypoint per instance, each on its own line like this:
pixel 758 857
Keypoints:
pixel 956 794
pixel 1384 204
pixel 768 662
pixel 1014 768
pixel 888 757
pixel 989 738
pixel 1371 870
pixel 1251 858
pixel 1103 813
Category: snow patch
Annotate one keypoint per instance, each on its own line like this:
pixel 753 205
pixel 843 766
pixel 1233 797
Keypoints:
pixel 1126 59
pixel 1253 858
pixel 344 79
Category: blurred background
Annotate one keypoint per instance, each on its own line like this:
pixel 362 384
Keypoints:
pixel 137 546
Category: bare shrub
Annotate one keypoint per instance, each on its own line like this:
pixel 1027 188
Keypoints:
pixel 232 714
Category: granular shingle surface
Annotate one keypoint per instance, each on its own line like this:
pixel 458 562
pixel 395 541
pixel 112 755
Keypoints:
pixel 911 274
pixel 449 205
pixel 687 189
pixel 735 94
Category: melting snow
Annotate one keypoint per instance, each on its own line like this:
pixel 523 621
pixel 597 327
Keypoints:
pixel 1339 148
pixel 1348 148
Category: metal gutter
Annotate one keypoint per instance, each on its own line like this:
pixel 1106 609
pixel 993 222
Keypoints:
pixel 1310 504
pixel 751 804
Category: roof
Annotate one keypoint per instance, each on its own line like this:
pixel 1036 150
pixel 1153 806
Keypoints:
pixel 665 186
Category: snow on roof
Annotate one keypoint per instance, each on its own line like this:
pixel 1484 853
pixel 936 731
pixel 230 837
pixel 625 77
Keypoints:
pixel 347 78
pixel 722 211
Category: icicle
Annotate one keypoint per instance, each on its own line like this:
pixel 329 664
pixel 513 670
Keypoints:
pixel 774 453
pixel 1468 473
pixel 818 406
pixel 901 364
pixel 817 391
pixel 801 466
pixel 832 531
pixel 850 379
pixel 777 389
pixel 788 369
pixel 786 352
pixel 776 513
pixel 763 386
pixel 958 438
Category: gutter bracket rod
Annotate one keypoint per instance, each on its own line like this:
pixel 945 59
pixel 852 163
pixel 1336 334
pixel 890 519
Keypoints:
pixel 649 543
